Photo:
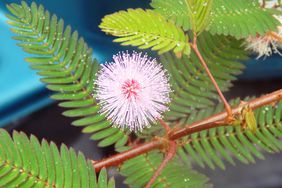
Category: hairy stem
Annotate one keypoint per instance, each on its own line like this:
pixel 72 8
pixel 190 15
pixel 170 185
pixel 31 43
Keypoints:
pixel 204 64
pixel 214 121
pixel 169 155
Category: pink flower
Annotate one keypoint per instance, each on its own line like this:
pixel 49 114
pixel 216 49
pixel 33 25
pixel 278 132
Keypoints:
pixel 132 91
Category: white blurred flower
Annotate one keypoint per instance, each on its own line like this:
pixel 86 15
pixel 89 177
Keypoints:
pixel 263 45
pixel 269 3
pixel 132 91
pixel 268 44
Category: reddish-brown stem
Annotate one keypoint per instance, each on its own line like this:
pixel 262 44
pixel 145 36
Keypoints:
pixel 117 159
pixel 217 119
pixel 263 4
pixel 210 122
pixel 165 125
pixel 276 6
pixel 275 36
pixel 226 104
pixel 169 155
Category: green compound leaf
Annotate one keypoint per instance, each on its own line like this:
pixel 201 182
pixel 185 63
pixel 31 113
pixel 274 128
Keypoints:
pixel 177 173
pixel 215 146
pixel 188 14
pixel 145 29
pixel 175 11
pixel 66 65
pixel 25 162
pixel 199 13
pixel 240 18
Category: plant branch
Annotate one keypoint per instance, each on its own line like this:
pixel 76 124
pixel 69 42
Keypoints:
pixel 169 155
pixel 263 4
pixel 204 64
pixel 275 36
pixel 214 121
pixel 165 125
pixel 117 159
pixel 218 119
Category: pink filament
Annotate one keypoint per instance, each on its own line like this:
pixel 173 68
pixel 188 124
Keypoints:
pixel 130 89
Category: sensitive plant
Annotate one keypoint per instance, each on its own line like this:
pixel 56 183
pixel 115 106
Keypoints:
pixel 133 91
pixel 176 100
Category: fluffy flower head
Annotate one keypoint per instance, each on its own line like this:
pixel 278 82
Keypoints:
pixel 132 91
pixel 263 45
pixel 267 44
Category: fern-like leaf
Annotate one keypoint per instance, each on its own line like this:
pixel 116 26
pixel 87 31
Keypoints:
pixel 146 29
pixel 175 11
pixel 240 18
pixel 65 62
pixel 199 13
pixel 213 146
pixel 177 173
pixel 188 14
pixel 25 162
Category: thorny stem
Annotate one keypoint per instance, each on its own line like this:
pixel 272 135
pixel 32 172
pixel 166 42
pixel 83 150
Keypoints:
pixel 226 104
pixel 169 155
pixel 214 121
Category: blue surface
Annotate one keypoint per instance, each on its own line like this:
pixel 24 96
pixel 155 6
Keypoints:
pixel 17 81
pixel 262 69
pixel 21 93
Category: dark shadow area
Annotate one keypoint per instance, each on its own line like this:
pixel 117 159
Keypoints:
pixel 97 10
pixel 246 88
pixel 21 103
